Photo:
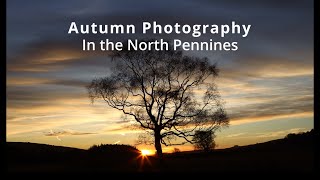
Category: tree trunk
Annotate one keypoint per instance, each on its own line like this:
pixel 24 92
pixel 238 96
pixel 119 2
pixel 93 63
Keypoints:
pixel 157 144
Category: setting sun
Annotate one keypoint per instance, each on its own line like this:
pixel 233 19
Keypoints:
pixel 145 152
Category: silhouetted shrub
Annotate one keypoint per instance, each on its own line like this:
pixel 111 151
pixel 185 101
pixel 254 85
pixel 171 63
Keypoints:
pixel 176 150
pixel 204 140
pixel 113 149
pixel 290 135
pixel 235 146
pixel 300 134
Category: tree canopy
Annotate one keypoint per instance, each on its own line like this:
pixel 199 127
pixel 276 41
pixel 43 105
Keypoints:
pixel 165 92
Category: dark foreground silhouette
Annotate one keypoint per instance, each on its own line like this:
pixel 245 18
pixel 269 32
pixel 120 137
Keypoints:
pixel 294 153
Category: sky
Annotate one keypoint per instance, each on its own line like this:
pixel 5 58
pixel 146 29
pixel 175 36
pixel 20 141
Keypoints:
pixel 267 84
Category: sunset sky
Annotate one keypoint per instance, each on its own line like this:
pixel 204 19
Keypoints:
pixel 267 84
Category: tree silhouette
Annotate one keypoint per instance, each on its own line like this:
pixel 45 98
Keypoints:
pixel 204 140
pixel 165 92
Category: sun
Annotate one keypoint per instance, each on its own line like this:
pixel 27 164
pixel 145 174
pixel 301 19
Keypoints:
pixel 145 152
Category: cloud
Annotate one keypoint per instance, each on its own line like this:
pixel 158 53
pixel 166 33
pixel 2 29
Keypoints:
pixel 273 107
pixel 264 66
pixel 124 129
pixel 25 81
pixel 48 56
pixel 271 117
pixel 281 133
pixel 235 135
pixel 267 98
pixel 44 90
pixel 33 81
pixel 64 133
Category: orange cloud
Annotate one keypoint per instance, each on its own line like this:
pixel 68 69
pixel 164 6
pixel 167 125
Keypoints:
pixel 270 117
pixel 47 57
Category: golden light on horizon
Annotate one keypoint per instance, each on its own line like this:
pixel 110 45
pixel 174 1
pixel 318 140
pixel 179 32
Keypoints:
pixel 146 152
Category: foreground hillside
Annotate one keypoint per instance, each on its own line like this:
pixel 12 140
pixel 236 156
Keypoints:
pixel 295 153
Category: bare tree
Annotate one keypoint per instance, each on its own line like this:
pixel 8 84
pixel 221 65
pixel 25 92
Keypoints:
pixel 204 140
pixel 165 92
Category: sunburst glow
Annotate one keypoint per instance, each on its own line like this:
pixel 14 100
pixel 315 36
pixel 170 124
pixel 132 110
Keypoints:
pixel 145 152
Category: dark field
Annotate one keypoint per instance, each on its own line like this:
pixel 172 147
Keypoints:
pixel 295 153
